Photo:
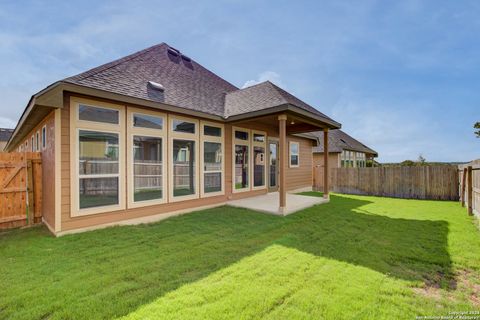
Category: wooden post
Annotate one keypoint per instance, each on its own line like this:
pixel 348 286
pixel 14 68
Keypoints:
pixel 470 190
pixel 325 164
pixel 464 183
pixel 282 124
pixel 30 193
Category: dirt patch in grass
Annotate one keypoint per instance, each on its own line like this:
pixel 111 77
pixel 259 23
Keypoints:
pixel 465 280
pixel 470 281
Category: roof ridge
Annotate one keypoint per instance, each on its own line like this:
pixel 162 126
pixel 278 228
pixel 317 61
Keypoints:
pixel 114 63
pixel 252 86
pixel 280 90
pixel 356 141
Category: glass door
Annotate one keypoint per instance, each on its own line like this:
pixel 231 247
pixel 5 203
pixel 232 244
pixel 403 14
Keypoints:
pixel 273 166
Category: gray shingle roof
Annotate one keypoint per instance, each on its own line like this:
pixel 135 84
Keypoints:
pixel 186 84
pixel 262 96
pixel 5 134
pixel 339 141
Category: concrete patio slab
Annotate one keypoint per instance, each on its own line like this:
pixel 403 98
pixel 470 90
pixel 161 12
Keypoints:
pixel 269 203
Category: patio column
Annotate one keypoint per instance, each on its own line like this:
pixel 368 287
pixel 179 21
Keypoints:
pixel 282 126
pixel 325 162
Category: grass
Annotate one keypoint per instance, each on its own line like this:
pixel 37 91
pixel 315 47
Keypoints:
pixel 311 193
pixel 353 258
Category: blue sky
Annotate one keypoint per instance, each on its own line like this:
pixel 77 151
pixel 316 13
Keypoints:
pixel 401 76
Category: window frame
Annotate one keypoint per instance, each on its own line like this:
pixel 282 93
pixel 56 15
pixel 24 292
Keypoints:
pixel 37 141
pixel 44 137
pixel 145 132
pixel 207 138
pixel 290 165
pixel 264 146
pixel 101 105
pixel 248 144
pixel 174 135
pixel 75 126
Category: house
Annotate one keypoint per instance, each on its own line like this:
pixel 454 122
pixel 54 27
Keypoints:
pixel 4 136
pixel 344 151
pixel 155 134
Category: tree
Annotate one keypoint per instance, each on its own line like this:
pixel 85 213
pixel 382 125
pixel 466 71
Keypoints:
pixel 421 160
pixel 477 126
pixel 407 163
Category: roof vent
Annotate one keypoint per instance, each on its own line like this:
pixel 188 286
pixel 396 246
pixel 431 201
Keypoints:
pixel 173 51
pixel 343 141
pixel 184 57
pixel 156 85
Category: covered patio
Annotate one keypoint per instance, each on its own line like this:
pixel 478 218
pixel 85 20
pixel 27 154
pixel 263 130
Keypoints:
pixel 268 203
pixel 292 121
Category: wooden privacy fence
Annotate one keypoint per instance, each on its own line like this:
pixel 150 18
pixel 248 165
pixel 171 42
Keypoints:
pixel 20 180
pixel 469 186
pixel 423 182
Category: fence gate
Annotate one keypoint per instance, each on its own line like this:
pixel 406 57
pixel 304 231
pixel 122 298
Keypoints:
pixel 20 189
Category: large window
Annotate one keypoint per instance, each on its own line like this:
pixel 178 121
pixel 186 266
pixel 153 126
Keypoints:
pixel 241 160
pixel 147 172
pixel 147 168
pixel 97 157
pixel 183 167
pixel 98 168
pixel 259 159
pixel 183 159
pixel 294 154
pixel 360 159
pixel 212 166
pixel 347 159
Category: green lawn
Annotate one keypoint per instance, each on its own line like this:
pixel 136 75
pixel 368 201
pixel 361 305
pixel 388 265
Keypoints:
pixel 353 258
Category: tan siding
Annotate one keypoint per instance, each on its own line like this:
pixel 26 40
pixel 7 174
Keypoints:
pixel 48 172
pixel 48 165
pixel 300 177
pixel 333 160
pixel 65 163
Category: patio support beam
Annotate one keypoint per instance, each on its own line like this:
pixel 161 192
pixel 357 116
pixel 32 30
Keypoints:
pixel 325 162
pixel 282 132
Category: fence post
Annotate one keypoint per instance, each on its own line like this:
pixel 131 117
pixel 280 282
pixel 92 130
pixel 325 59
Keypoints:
pixel 470 190
pixel 464 182
pixel 30 193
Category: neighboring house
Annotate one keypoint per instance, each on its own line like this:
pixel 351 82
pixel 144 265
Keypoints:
pixel 344 151
pixel 155 134
pixel 4 136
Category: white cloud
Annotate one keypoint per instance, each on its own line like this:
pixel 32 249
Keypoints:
pixel 7 123
pixel 265 76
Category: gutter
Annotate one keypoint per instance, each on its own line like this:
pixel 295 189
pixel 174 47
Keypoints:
pixel 28 110
pixel 285 107
pixel 76 88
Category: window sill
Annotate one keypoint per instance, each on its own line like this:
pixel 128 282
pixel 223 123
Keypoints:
pixel 96 210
